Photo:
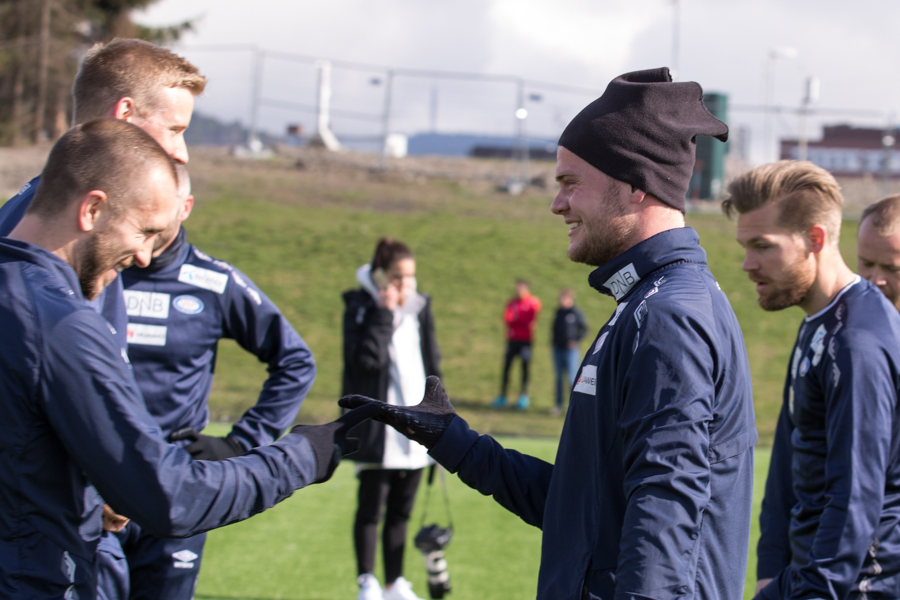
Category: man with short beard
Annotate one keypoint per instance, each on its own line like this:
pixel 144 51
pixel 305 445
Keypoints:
pixel 878 246
pixel 830 516
pixel 73 425
pixel 651 491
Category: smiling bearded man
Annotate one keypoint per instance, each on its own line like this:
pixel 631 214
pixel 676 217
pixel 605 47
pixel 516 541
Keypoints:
pixel 651 491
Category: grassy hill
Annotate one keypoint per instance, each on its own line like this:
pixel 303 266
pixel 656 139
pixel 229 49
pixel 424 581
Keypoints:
pixel 300 234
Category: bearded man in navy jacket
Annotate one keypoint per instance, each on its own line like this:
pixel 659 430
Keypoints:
pixel 650 493
pixel 73 427
pixel 830 519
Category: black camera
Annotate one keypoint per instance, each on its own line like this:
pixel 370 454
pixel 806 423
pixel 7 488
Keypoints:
pixel 431 541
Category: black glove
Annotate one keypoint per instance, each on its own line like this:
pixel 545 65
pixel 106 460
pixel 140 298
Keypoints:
pixel 424 423
pixel 330 442
pixel 207 447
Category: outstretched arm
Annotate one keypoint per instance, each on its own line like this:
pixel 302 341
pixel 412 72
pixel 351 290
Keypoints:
pixel 95 409
pixel 517 481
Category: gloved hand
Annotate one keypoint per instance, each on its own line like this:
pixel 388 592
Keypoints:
pixel 330 442
pixel 424 423
pixel 207 447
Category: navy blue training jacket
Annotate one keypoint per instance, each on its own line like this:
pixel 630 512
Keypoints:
pixel 179 308
pixel 73 427
pixel 651 491
pixel 109 303
pixel 831 512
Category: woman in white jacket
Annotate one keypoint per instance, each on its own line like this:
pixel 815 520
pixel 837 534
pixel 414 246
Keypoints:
pixel 389 350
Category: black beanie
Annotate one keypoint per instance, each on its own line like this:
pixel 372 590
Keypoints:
pixel 643 130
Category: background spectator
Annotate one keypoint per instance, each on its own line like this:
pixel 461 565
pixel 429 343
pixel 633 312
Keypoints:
pixel 521 318
pixel 569 327
pixel 389 349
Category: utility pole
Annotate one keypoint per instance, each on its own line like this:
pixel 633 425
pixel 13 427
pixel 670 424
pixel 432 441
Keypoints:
pixel 324 138
pixel 811 97
pixel 887 143
pixel 523 174
pixel 434 107
pixel 676 38
pixel 43 69
pixel 253 143
pixel 386 116
pixel 769 92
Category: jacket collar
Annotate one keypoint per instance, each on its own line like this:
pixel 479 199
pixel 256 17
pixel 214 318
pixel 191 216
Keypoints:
pixel 30 253
pixel 619 276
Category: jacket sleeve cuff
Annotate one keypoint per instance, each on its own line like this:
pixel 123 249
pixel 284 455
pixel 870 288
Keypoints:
pixel 454 444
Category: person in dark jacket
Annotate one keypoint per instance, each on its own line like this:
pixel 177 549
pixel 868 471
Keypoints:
pixel 389 350
pixel 73 427
pixel 650 495
pixel 830 519
pixel 569 327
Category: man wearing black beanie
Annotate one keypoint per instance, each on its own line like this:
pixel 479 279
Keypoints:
pixel 651 491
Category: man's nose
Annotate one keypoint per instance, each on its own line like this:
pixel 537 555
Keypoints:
pixel 749 264
pixel 559 205
pixel 179 151
pixel 143 256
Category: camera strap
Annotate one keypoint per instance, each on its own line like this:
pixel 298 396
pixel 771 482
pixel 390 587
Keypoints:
pixel 443 476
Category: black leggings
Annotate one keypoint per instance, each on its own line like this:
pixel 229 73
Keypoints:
pixel 377 487
pixel 522 350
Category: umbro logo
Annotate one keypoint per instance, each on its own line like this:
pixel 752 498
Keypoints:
pixel 184 559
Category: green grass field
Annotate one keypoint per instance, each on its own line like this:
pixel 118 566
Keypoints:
pixel 302 549
pixel 301 237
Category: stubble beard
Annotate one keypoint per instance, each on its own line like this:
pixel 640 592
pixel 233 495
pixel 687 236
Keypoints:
pixel 97 256
pixel 600 246
pixel 801 281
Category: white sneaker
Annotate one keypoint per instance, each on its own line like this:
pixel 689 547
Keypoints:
pixel 368 588
pixel 401 590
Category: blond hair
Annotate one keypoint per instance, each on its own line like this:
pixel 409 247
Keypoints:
pixel 129 68
pixel 806 195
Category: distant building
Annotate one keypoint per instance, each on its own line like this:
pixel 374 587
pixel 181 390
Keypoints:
pixel 464 144
pixel 848 151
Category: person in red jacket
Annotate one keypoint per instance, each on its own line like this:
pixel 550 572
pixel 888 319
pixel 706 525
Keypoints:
pixel 521 318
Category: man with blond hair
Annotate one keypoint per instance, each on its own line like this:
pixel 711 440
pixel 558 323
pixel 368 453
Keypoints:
pixel 829 521
pixel 878 246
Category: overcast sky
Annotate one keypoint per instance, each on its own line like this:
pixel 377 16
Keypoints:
pixel 852 47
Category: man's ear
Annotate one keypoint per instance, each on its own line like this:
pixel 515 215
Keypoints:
pixel 637 196
pixel 186 209
pixel 124 110
pixel 91 209
pixel 818 237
